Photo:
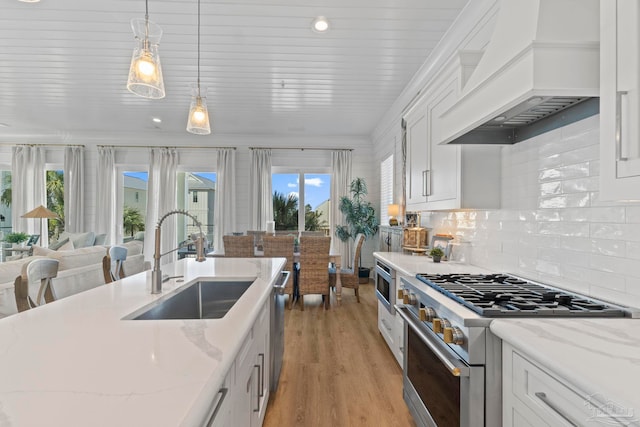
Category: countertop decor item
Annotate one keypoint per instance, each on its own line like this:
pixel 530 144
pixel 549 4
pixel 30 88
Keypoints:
pixel 393 211
pixel 436 254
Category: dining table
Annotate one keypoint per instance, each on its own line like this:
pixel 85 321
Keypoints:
pixel 334 257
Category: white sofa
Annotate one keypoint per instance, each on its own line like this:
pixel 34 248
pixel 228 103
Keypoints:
pixel 78 270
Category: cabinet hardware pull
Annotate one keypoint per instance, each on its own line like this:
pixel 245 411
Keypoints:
pixel 384 323
pixel 258 393
pixel 261 355
pixel 543 397
pixel 424 183
pixel 223 392
pixel 619 156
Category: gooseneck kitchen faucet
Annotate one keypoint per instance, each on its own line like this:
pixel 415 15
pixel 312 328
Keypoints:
pixel 156 274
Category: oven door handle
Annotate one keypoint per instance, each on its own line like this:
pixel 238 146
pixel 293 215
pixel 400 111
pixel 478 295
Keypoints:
pixel 454 365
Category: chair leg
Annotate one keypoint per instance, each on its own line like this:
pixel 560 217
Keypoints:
pixel 357 295
pixel 301 298
pixel 290 301
pixel 326 301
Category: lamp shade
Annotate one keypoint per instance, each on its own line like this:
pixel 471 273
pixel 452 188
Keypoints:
pixel 198 121
pixel 393 210
pixel 40 212
pixel 145 72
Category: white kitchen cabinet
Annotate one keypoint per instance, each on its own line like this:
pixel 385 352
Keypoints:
pixel 534 397
pixel 620 100
pixel 391 327
pixel 249 391
pixel 222 408
pixel 442 177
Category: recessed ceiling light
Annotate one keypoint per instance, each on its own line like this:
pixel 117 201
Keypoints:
pixel 157 120
pixel 320 24
pixel 500 118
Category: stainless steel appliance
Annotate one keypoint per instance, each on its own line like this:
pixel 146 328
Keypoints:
pixel 452 363
pixel 277 328
pixel 385 278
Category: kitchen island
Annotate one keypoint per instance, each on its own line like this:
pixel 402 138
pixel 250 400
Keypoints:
pixel 75 362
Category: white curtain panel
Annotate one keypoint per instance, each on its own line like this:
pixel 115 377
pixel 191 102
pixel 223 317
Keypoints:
pixel 74 189
pixel 340 184
pixel 28 190
pixel 260 197
pixel 106 194
pixel 224 211
pixel 161 199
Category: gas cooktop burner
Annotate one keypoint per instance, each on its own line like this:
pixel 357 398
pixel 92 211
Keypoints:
pixel 496 295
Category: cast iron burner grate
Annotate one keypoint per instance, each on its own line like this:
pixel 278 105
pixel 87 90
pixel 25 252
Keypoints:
pixel 502 295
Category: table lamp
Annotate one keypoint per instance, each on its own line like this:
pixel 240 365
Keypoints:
pixel 40 212
pixel 393 211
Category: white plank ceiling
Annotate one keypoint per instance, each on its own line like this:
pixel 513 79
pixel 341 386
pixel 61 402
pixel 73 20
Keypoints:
pixel 64 63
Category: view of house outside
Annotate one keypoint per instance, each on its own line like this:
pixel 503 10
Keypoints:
pixel 315 197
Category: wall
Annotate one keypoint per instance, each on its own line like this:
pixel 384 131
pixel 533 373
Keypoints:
pixel 553 227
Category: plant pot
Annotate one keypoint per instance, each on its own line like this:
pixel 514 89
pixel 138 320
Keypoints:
pixel 437 258
pixel 363 275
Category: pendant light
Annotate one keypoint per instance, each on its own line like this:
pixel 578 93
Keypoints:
pixel 145 72
pixel 198 121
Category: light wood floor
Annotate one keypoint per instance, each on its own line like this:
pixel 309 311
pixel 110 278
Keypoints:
pixel 337 369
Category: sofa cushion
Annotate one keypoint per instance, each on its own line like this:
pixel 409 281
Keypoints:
pixel 79 257
pixel 134 247
pixel 100 239
pixel 59 244
pixel 80 240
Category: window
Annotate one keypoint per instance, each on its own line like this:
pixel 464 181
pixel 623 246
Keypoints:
pixel 197 195
pixel 386 188
pixel 55 201
pixel 5 201
pixel 134 201
pixel 313 195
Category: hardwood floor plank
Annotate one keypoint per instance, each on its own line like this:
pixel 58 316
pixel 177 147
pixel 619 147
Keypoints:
pixel 337 370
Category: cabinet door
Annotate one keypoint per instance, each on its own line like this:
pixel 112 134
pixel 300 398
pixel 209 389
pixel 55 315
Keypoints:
pixel 417 123
pixel 620 100
pixel 262 363
pixel 443 172
pixel 222 408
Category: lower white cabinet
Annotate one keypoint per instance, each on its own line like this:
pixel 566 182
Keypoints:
pixel 248 381
pixel 534 397
pixel 391 327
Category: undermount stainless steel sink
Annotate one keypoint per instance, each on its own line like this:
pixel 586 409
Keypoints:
pixel 201 300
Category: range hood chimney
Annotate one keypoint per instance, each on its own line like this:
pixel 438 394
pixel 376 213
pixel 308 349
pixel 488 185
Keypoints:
pixel 540 71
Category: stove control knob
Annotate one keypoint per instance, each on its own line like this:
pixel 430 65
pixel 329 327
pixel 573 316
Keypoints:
pixel 453 335
pixel 440 324
pixel 405 296
pixel 412 298
pixel 427 314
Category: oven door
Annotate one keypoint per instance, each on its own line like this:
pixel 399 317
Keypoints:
pixel 440 389
pixel 385 286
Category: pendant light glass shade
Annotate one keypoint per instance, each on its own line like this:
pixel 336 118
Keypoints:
pixel 145 72
pixel 198 122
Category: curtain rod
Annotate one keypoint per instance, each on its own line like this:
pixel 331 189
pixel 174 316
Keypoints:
pixel 13 144
pixel 165 146
pixel 301 148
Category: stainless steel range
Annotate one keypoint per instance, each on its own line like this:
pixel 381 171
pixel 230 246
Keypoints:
pixel 452 363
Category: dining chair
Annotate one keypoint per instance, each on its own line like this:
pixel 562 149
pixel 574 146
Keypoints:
pixel 314 275
pixel 349 276
pixel 258 236
pixel 312 233
pixel 33 286
pixel 238 246
pixel 281 246
pixel 113 263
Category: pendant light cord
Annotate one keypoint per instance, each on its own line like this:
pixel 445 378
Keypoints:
pixel 146 20
pixel 198 48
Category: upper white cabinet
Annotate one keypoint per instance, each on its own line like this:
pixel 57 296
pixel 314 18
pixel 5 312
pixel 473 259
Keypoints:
pixel 619 100
pixel 441 177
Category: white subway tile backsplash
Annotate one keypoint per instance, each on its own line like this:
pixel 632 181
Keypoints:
pixel 552 226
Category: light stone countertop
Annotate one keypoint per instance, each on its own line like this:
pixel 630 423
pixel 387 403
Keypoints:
pixel 74 362
pixel 410 265
pixel 599 357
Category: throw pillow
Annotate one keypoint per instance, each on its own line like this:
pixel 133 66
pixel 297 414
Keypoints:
pixel 80 240
pixel 57 245
pixel 40 251
pixel 68 246
pixel 100 239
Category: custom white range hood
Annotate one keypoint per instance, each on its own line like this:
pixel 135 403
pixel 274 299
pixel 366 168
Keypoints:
pixel 539 71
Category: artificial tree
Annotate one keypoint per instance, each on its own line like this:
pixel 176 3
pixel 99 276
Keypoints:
pixel 359 215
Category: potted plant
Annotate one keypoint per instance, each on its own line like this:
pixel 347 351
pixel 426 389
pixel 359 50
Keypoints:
pixel 16 238
pixel 360 217
pixel 436 254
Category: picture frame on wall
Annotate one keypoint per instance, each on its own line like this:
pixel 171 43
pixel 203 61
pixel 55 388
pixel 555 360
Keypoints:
pixel 442 242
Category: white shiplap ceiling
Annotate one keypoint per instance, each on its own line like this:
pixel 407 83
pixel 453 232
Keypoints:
pixel 64 63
